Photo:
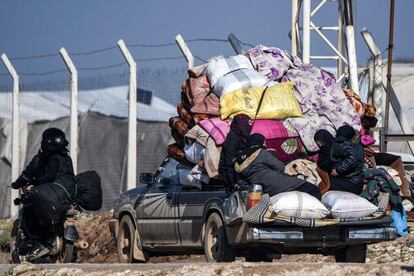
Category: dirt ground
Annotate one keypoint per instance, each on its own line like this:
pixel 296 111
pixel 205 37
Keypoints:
pixel 102 249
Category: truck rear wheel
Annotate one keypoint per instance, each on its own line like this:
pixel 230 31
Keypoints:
pixel 351 254
pixel 216 247
pixel 259 257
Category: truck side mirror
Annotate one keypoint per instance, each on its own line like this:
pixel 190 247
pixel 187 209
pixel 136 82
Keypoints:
pixel 146 178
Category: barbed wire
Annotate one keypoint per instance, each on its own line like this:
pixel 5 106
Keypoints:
pixel 201 59
pixel 97 67
pixel 101 50
pixel 151 45
pixel 34 57
pixel 158 58
pixel 93 51
pixel 96 51
pixel 101 67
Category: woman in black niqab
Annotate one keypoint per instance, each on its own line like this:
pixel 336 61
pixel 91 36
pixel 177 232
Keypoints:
pixel 236 140
pixel 325 140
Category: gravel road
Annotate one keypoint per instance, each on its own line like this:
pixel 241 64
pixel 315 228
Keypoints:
pixel 223 269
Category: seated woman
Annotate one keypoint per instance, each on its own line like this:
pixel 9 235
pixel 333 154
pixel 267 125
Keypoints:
pixel 259 166
pixel 236 139
pixel 345 161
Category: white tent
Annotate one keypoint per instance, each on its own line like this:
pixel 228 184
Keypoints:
pixel 103 130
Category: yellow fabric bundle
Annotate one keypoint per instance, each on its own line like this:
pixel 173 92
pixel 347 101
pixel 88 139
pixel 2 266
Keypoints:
pixel 279 102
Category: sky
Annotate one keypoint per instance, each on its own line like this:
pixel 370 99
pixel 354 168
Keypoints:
pixel 34 27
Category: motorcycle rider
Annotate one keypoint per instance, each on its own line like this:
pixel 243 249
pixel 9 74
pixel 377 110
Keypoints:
pixel 49 164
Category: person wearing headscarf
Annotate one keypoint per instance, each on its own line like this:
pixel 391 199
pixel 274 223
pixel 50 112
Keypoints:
pixel 51 163
pixel 348 162
pixel 325 140
pixel 259 166
pixel 236 139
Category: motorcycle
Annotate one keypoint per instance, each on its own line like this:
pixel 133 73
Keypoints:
pixel 65 241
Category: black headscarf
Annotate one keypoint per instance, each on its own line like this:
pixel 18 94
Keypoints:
pixel 54 141
pixel 241 126
pixel 254 142
pixel 324 157
pixel 345 132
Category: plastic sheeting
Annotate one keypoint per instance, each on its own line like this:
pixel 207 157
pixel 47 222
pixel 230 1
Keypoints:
pixel 102 147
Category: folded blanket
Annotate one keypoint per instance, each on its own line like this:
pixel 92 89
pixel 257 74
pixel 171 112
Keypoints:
pixel 272 62
pixel 355 100
pixel 185 115
pixel 204 100
pixel 178 154
pixel 216 128
pixel 178 138
pixel 322 101
pixel 179 125
pixel 280 136
pixel 186 96
pixel 212 158
pixel 198 134
pixel 219 66
pixel 305 170
pixel 240 79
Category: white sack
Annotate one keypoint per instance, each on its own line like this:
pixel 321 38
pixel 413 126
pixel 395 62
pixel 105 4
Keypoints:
pixel 299 205
pixel 240 79
pixel 194 152
pixel 219 66
pixel 192 177
pixel 347 205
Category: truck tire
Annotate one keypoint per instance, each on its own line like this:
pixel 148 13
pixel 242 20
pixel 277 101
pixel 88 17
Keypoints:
pixel 216 247
pixel 351 254
pixel 126 240
pixel 259 257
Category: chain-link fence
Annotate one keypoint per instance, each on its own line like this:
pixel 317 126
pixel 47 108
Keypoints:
pixel 103 123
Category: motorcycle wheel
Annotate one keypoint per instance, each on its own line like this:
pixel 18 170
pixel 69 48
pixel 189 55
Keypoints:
pixel 68 254
pixel 17 237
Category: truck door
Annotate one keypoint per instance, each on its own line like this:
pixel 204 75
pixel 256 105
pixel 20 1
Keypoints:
pixel 158 209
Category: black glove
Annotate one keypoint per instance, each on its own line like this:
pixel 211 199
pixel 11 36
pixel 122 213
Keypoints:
pixel 20 182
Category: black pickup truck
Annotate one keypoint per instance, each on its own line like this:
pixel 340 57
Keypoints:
pixel 163 217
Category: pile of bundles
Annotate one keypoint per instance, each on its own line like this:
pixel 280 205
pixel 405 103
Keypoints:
pixel 289 100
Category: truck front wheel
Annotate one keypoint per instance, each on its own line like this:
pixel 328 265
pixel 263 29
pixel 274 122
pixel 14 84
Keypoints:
pixel 216 247
pixel 351 254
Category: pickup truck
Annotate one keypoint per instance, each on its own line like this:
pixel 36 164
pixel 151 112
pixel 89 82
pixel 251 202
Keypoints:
pixel 163 217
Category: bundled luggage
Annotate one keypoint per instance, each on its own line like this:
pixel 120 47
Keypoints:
pixel 50 201
pixel 89 193
pixel 288 101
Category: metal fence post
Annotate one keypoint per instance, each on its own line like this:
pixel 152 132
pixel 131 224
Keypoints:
pixel 294 37
pixel 73 146
pixel 132 117
pixel 350 40
pixel 185 51
pixel 306 31
pixel 15 132
pixel 235 44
